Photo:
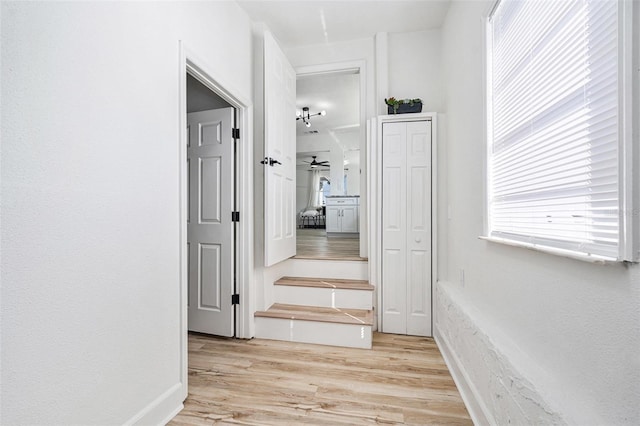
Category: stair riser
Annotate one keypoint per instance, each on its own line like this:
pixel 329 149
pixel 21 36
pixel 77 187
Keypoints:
pixel 320 333
pixel 324 297
pixel 325 268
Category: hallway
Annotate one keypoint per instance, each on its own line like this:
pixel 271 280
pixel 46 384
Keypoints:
pixel 402 380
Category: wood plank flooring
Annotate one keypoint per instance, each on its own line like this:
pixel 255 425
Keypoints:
pixel 402 380
pixel 314 244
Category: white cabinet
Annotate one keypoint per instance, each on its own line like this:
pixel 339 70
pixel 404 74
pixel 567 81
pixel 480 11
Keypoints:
pixel 342 215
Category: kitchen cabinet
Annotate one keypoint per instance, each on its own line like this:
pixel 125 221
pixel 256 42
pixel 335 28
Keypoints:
pixel 342 215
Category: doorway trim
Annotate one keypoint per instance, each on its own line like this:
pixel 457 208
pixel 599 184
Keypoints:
pixel 359 67
pixel 192 64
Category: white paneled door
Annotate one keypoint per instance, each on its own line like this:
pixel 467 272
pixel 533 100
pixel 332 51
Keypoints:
pixel 406 228
pixel 280 153
pixel 210 228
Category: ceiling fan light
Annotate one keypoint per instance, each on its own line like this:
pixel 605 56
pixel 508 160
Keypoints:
pixel 307 123
pixel 323 112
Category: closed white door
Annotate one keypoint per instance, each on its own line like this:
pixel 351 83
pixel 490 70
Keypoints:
pixel 280 153
pixel 210 228
pixel 406 228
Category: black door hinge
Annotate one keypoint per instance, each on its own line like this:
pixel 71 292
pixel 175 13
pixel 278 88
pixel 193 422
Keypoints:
pixel 235 133
pixel 235 299
pixel 235 216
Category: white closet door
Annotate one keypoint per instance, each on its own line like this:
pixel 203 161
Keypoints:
pixel 406 228
pixel 418 210
pixel 394 228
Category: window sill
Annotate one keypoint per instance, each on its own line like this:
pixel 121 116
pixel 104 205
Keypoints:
pixel 557 252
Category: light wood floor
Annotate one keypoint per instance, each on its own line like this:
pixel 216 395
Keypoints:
pixel 314 244
pixel 402 380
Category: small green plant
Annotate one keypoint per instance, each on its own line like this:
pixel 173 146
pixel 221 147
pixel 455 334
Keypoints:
pixel 395 103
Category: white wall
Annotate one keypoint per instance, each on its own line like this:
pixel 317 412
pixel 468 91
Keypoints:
pixel 90 261
pixel 540 338
pixel 353 172
pixel 415 67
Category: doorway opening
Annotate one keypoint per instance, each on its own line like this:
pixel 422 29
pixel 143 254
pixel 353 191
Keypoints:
pixel 331 215
pixel 192 65
pixel 211 229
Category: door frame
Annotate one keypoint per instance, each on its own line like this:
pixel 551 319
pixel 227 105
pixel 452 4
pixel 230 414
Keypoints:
pixel 374 129
pixel 191 63
pixel 359 67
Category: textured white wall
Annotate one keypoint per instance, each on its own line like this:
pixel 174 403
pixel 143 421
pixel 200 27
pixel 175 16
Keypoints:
pixel 565 334
pixel 90 285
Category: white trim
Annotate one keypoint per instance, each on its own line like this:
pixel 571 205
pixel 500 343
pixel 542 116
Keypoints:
pixel 477 409
pixel 183 193
pixel 375 203
pixel 360 67
pixel 190 62
pixel 634 151
pixel 330 68
pixel 486 113
pixel 551 250
pixel 629 239
pixel 373 185
pixel 162 409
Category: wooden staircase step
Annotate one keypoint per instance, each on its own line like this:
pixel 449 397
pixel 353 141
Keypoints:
pixel 318 314
pixel 331 283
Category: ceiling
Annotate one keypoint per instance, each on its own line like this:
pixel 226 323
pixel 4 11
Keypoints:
pixel 307 22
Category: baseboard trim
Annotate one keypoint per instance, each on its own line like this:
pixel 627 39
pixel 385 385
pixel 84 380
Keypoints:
pixel 475 406
pixel 161 410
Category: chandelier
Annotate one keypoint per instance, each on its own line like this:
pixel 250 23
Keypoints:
pixel 306 117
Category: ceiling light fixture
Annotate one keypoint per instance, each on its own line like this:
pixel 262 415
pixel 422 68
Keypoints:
pixel 305 116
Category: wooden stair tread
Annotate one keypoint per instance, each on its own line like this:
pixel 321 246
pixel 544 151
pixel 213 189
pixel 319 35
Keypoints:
pixel 335 283
pixel 315 313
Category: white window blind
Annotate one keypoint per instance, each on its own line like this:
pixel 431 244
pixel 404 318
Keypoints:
pixel 553 125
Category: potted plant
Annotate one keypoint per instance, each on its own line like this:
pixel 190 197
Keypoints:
pixel 403 106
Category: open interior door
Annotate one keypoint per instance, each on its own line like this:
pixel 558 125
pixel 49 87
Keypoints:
pixel 280 153
pixel 210 228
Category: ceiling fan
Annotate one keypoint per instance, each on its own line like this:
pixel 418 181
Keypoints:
pixel 313 163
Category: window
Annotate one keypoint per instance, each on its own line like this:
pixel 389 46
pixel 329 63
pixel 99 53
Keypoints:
pixel 556 150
